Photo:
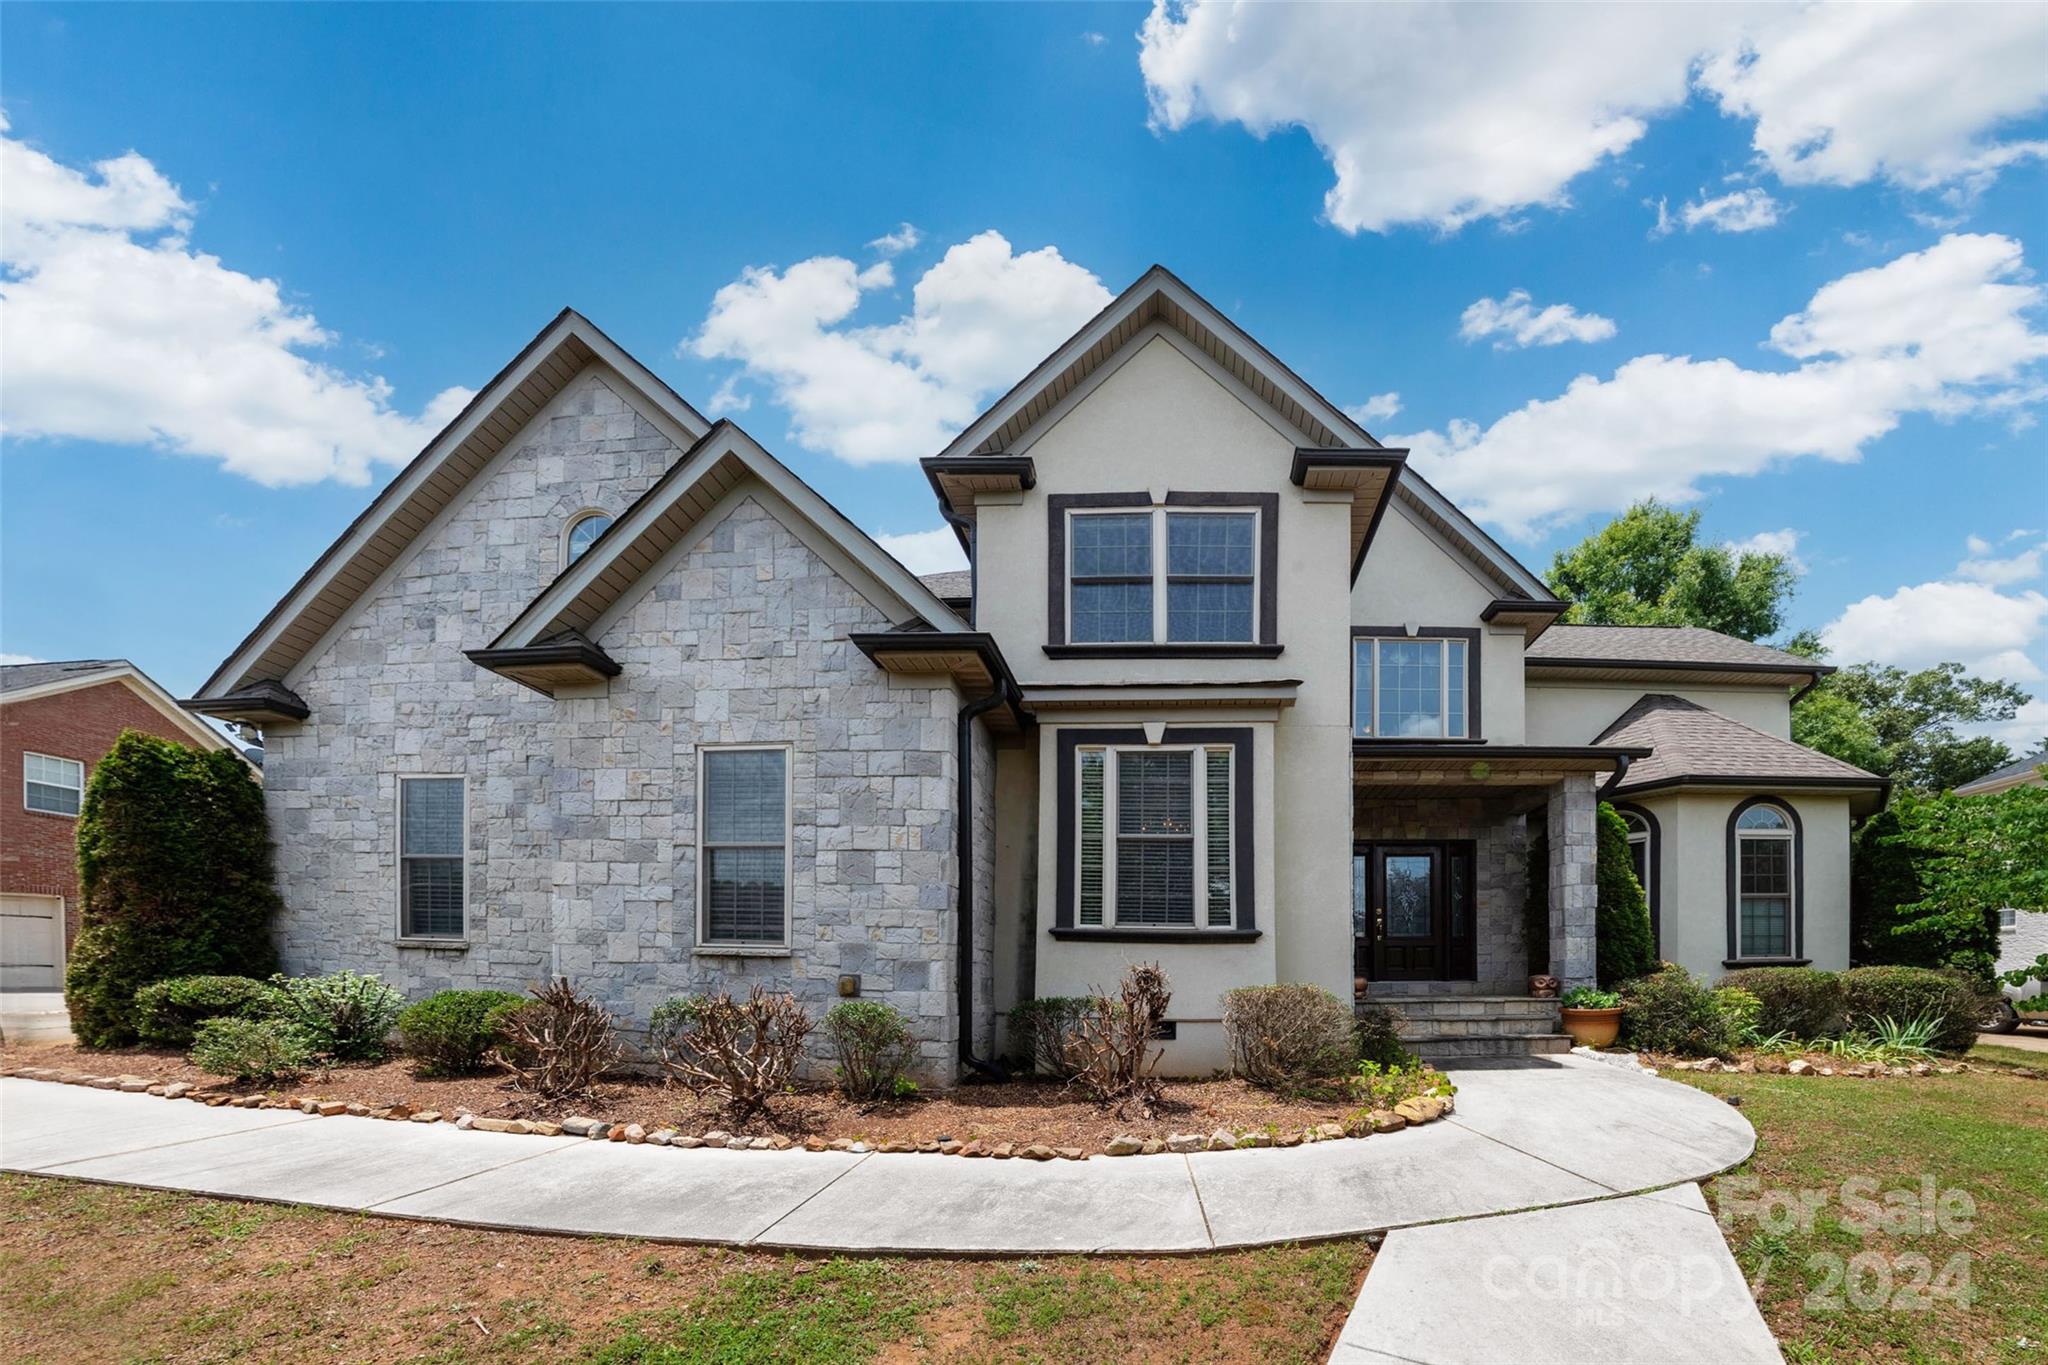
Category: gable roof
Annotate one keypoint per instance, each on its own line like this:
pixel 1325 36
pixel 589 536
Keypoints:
pixel 1627 652
pixel 434 479
pixel 28 682
pixel 2021 772
pixel 1691 745
pixel 555 631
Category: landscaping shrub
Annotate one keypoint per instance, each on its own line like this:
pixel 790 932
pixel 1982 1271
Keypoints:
pixel 1378 1033
pixel 1952 1000
pixel 1040 1030
pixel 174 875
pixel 1624 947
pixel 1382 1087
pixel 1670 1011
pixel 1287 1037
pixel 1111 1051
pixel 874 1046
pixel 345 1016
pixel 1742 1010
pixel 1801 1001
pixel 248 1049
pixel 167 1011
pixel 558 1044
pixel 744 1053
pixel 450 1033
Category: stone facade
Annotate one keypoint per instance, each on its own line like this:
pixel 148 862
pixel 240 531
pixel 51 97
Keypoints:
pixel 1499 834
pixel 1569 819
pixel 582 814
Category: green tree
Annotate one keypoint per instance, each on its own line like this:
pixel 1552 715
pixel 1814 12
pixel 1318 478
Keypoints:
pixel 1902 725
pixel 1624 947
pixel 174 872
pixel 1971 856
pixel 1647 568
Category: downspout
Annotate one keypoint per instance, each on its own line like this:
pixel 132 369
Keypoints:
pixel 1004 695
pixel 1620 772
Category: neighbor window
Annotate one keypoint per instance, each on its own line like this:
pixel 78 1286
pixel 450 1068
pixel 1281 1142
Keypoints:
pixel 1410 687
pixel 430 857
pixel 2008 918
pixel 55 785
pixel 744 847
pixel 1764 881
pixel 1156 837
pixel 1162 576
pixel 583 533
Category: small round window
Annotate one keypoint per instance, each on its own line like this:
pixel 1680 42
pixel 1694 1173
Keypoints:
pixel 585 532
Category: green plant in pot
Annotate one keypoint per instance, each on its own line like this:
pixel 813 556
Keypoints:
pixel 1592 1017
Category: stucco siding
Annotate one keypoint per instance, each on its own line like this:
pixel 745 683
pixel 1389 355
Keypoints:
pixel 1577 712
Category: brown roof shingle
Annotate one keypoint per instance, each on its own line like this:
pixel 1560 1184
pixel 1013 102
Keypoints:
pixel 1688 742
pixel 1659 645
pixel 954 585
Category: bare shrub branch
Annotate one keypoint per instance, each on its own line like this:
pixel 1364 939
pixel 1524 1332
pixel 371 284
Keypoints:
pixel 745 1053
pixel 1110 1049
pixel 560 1044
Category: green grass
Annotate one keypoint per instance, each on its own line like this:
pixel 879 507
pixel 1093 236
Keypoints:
pixel 1984 1134
pixel 840 1310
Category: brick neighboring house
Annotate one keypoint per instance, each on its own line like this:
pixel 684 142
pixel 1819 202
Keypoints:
pixel 56 721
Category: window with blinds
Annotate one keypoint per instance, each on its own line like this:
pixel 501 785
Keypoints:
pixel 744 847
pixel 430 857
pixel 1156 838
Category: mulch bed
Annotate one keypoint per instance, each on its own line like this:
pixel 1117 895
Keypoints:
pixel 1017 1112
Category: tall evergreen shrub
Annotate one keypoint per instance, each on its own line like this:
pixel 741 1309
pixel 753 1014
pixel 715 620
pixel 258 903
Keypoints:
pixel 174 873
pixel 1623 945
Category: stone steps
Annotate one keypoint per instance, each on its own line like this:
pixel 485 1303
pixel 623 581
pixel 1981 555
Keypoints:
pixel 1448 1028
pixel 1450 1051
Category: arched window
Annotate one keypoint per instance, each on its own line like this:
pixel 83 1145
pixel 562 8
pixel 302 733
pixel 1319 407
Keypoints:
pixel 1763 881
pixel 1642 857
pixel 583 532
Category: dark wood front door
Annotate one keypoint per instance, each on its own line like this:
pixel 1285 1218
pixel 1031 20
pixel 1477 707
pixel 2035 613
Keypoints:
pixel 1412 911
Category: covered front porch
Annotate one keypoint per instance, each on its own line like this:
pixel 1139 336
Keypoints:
pixel 1441 835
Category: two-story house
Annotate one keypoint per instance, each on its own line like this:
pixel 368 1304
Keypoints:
pixel 597 687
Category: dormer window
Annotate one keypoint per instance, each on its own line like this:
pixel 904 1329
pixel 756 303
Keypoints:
pixel 1192 574
pixel 583 532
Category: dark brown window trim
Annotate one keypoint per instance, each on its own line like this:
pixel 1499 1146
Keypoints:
pixel 1729 852
pixel 1474 729
pixel 1267 505
pixel 1066 839
pixel 1199 649
pixel 1655 890
pixel 1076 935
pixel 1736 962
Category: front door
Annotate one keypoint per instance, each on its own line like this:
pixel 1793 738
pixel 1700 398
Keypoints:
pixel 1411 911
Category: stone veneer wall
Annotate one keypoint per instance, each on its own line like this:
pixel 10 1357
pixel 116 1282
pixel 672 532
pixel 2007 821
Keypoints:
pixel 582 812
pixel 1500 871
pixel 1569 819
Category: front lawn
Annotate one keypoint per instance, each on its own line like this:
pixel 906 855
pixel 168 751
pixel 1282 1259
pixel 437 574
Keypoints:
pixel 1937 1280
pixel 92 1272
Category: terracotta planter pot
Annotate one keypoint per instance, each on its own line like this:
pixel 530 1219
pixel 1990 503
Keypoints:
pixel 1592 1028
pixel 1544 987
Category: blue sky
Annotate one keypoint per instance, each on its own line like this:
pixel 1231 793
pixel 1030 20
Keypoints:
pixel 432 183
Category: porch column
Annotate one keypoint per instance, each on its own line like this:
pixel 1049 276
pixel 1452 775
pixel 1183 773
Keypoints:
pixel 1568 820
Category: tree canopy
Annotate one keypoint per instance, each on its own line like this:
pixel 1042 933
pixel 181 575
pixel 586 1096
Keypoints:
pixel 1647 568
pixel 1939 868
pixel 1902 725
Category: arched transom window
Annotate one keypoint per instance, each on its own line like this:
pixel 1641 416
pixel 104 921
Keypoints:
pixel 1765 880
pixel 1639 848
pixel 583 533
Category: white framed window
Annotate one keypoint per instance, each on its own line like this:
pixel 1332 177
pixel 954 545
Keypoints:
pixel 1639 848
pixel 1411 687
pixel 1765 882
pixel 2008 918
pixel 743 846
pixel 433 885
pixel 55 786
pixel 582 532
pixel 1157 837
pixel 1159 575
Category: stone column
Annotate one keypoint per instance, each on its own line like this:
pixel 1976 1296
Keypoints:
pixel 1568 820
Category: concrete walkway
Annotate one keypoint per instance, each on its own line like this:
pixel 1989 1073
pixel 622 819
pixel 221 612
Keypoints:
pixel 1526 1135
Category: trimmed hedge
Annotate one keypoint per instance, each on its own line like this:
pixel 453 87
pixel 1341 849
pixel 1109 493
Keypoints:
pixel 874 1045
pixel 1902 994
pixel 451 1033
pixel 1802 1001
pixel 249 1049
pixel 345 1016
pixel 1288 1036
pixel 1670 1011
pixel 167 1012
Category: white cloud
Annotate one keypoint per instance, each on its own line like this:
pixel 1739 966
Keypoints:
pixel 904 238
pixel 6 659
pixel 1987 631
pixel 2024 732
pixel 1093 39
pixel 1513 323
pixel 115 329
pixel 924 552
pixel 1523 99
pixel 1784 541
pixel 727 399
pixel 2001 571
pixel 1737 211
pixel 979 318
pixel 1377 408
pixel 1942 331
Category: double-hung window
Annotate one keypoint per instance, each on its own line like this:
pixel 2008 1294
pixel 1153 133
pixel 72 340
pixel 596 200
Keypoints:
pixel 55 786
pixel 743 847
pixel 1163 576
pixel 1407 687
pixel 1764 876
pixel 431 886
pixel 1157 837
